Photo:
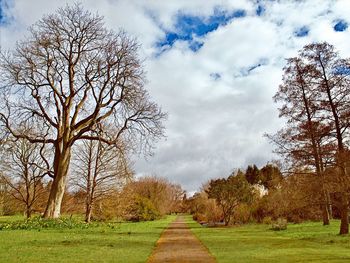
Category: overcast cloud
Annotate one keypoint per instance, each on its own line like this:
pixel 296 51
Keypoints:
pixel 212 65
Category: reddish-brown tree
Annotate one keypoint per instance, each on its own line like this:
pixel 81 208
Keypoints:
pixel 331 80
pixel 315 96
pixel 304 141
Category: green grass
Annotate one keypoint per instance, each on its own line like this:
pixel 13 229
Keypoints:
pixel 306 242
pixel 124 242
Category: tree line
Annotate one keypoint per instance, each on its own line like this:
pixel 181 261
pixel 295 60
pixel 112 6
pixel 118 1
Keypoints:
pixel 314 101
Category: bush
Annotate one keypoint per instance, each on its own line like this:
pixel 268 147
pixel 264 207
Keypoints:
pixel 242 214
pixel 37 223
pixel 280 224
pixel 141 209
pixel 267 220
pixel 200 218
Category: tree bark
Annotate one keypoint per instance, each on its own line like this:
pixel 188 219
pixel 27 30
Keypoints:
pixel 88 212
pixel 61 166
pixel 344 225
pixel 344 216
pixel 28 212
pixel 325 214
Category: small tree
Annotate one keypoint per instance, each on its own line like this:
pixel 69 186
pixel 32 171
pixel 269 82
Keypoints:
pixel 164 196
pixel 99 170
pixel 270 176
pixel 252 174
pixel 24 167
pixel 229 193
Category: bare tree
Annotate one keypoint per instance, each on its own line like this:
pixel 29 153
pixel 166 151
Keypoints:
pixel 69 76
pixel 99 170
pixel 305 142
pixel 331 77
pixel 23 171
pixel 316 95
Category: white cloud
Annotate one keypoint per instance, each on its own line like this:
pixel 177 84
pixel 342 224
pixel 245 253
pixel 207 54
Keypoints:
pixel 214 125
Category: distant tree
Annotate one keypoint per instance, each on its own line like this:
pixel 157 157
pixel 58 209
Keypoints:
pixel 70 76
pixel 270 176
pixel 229 193
pixel 252 174
pixel 99 170
pixel 3 195
pixel 204 209
pixel 164 196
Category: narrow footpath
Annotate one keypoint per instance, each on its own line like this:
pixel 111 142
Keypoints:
pixel 178 244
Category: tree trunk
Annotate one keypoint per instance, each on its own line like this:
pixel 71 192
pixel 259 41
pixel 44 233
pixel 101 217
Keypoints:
pixel 325 214
pixel 227 221
pixel 344 216
pixel 88 212
pixel 61 166
pixel 28 212
pixel 329 206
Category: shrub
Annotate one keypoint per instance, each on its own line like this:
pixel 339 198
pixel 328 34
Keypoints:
pixel 242 214
pixel 141 209
pixel 267 220
pixel 280 224
pixel 200 218
pixel 37 223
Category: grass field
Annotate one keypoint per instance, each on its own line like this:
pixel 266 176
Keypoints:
pixel 307 242
pixel 124 242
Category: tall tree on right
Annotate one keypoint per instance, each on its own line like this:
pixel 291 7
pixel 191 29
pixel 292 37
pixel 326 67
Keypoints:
pixel 315 94
pixel 331 75
pixel 304 141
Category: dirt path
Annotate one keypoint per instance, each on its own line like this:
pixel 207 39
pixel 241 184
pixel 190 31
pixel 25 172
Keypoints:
pixel 178 244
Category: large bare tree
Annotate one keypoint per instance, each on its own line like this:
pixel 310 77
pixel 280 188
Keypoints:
pixel 69 76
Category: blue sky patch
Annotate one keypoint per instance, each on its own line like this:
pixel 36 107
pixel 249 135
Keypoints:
pixel 342 70
pixel 5 19
pixel 302 31
pixel 189 28
pixel 340 26
pixel 215 76
pixel 195 45
pixel 1 13
pixel 260 10
pixel 243 72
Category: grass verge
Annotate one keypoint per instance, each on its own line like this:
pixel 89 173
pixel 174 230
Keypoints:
pixel 123 242
pixel 306 242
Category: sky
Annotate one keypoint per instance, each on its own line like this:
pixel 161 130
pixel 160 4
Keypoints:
pixel 213 66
